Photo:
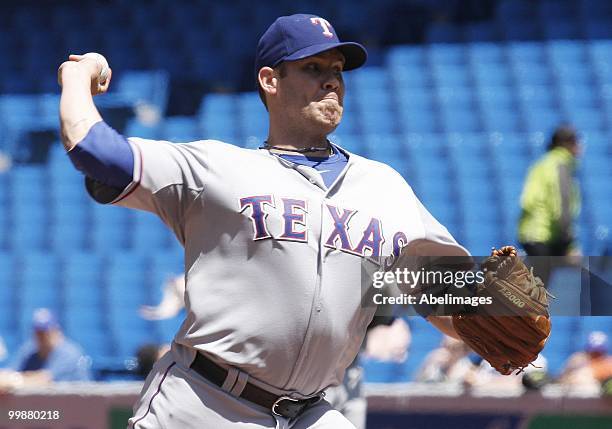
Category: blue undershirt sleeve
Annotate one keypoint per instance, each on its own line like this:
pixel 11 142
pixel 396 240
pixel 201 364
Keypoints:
pixel 105 156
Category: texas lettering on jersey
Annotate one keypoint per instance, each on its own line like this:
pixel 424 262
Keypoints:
pixel 295 221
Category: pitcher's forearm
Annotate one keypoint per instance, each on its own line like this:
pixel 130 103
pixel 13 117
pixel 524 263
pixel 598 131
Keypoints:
pixel 78 112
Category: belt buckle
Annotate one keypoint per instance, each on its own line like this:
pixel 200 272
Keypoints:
pixel 292 412
pixel 277 404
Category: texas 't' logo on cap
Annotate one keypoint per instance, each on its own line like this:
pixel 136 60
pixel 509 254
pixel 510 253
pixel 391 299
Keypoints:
pixel 299 36
pixel 323 23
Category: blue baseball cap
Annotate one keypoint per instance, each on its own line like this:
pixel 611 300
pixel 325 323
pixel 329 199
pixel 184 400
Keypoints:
pixel 294 37
pixel 43 320
pixel 597 342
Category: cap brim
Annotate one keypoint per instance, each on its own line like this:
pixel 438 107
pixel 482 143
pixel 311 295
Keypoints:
pixel 355 55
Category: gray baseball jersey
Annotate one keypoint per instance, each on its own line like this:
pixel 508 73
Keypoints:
pixel 273 257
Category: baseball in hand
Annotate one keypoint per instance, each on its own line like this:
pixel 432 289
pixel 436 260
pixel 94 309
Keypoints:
pixel 104 69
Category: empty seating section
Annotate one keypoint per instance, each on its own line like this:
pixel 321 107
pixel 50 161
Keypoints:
pixel 474 106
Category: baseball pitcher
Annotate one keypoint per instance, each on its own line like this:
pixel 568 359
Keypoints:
pixel 273 237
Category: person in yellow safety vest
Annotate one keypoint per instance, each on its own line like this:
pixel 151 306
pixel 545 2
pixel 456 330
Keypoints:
pixel 550 202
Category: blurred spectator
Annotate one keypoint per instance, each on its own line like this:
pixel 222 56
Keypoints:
pixel 483 375
pixel 5 162
pixel 455 362
pixel 388 339
pixel 591 368
pixel 48 358
pixel 550 202
pixel 449 362
pixel 172 302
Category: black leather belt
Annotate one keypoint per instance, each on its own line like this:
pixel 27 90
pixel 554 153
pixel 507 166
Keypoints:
pixel 280 405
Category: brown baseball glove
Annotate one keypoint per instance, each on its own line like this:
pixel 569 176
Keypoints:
pixel 511 331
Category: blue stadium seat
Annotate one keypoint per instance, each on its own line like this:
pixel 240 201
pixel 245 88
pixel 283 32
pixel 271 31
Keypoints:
pixel 596 166
pixel 67 235
pixel 76 39
pixel 405 76
pixel 491 74
pixel 148 232
pixel 400 56
pixel 598 28
pixel 521 30
pixel 444 33
pixel 254 125
pixel 532 74
pixel 500 119
pixel 7 293
pixel 135 128
pixel 63 16
pixel 25 236
pixel 588 119
pixel 414 98
pixel 418 121
pixel 516 10
pixel 478 209
pixel 383 145
pixel 165 330
pixel 145 86
pixel 538 141
pixel 68 195
pixel 526 52
pixel 370 78
pixel 127 60
pixel 567 28
pixel 577 96
pixel 95 344
pixel 495 97
pixel 376 371
pixel 566 51
pixel 108 228
pixel 450 75
pixel 595 8
pixel 351 142
pixel 253 116
pixel 573 74
pixel 180 129
pixel 368 100
pixel 477 238
pixel 600 51
pixel 219 127
pixel 459 121
pixel 541 119
pixel 82 270
pixel 508 163
pixel 466 146
pixel 597 144
pixel 433 189
pixel 39 268
pixel 468 176
pixel 536 96
pixel 349 124
pixel 19 111
pixel 485 53
pixel 553 11
pixel 482 32
pixel 426 146
pixel 454 97
pixel 447 54
pixel 119 40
